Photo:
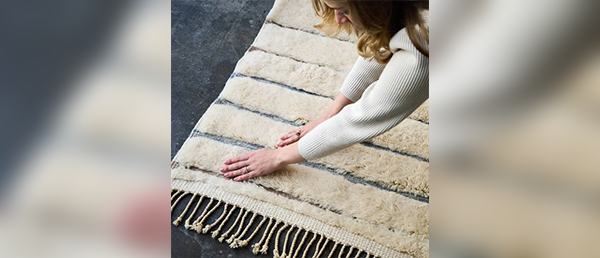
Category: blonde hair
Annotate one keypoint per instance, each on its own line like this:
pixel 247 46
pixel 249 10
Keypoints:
pixel 380 20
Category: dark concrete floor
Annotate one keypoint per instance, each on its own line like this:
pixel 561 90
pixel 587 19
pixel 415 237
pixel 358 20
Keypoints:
pixel 208 37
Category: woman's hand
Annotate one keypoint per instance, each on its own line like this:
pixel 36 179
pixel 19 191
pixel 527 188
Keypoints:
pixel 259 162
pixel 291 136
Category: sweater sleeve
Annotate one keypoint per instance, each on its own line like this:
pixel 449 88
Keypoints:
pixel 402 87
pixel 363 73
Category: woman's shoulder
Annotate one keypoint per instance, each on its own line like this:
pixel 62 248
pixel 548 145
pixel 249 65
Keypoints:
pixel 401 41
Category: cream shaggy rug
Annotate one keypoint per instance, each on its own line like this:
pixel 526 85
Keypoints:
pixel 369 200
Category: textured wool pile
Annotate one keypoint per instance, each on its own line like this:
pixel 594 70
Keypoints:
pixel 368 200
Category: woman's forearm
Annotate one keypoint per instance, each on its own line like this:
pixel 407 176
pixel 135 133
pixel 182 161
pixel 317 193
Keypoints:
pixel 338 104
pixel 289 155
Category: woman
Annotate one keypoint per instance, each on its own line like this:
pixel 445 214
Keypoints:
pixel 387 83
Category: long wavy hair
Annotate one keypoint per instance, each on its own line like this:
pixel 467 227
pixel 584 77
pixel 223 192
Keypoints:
pixel 380 20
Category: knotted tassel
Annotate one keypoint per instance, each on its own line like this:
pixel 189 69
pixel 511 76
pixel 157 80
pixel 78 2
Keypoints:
pixel 187 221
pixel 178 220
pixel 231 240
pixel 238 242
pixel 276 250
pixel 283 254
pixel 245 242
pixel 208 227
pixel 256 246
pixel 195 224
pixel 198 226
pixel 232 226
pixel 216 232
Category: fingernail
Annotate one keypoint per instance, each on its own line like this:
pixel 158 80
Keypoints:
pixel 227 174
pixel 222 169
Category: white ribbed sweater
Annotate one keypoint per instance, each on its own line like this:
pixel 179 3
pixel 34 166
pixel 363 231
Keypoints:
pixel 383 96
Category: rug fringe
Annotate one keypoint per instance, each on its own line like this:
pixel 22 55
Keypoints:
pixel 358 253
pixel 285 242
pixel 245 242
pixel 341 251
pixel 208 227
pixel 309 244
pixel 174 194
pixel 237 241
pixel 257 247
pixel 187 224
pixel 198 225
pixel 349 252
pixel 177 201
pixel 276 250
pixel 178 220
pixel 232 226
pixel 322 248
pixel 318 248
pixel 234 236
pixel 299 245
pixel 222 223
pixel 241 227
pixel 332 250
pixel 293 243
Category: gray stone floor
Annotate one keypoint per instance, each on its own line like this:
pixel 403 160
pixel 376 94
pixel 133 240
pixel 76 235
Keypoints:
pixel 208 37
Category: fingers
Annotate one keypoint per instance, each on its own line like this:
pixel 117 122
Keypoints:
pixel 235 173
pixel 241 173
pixel 236 159
pixel 289 138
pixel 234 166
pixel 288 141
pixel 249 175
pixel 290 133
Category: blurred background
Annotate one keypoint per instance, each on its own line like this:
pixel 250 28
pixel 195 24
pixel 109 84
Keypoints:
pixel 85 101
pixel 515 131
pixel 86 109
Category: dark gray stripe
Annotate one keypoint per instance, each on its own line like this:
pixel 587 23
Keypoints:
pixel 233 75
pixel 372 145
pixel 221 101
pixel 346 175
pixel 253 48
pixel 263 80
pixel 307 31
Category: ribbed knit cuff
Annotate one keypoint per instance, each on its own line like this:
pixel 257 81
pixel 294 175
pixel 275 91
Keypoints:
pixel 363 74
pixel 318 142
pixel 351 93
